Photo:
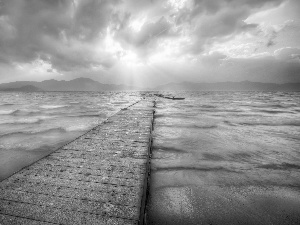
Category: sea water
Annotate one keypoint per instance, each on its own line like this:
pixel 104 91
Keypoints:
pixel 226 158
pixel 34 124
pixel 217 157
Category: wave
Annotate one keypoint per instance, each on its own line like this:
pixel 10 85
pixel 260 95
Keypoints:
pixel 291 123
pixel 184 115
pixel 102 115
pixel 159 115
pixel 191 126
pixel 274 106
pixel 52 106
pixel 230 123
pixel 119 102
pixel 168 149
pixel 205 126
pixel 212 157
pixel 295 123
pixel 24 122
pixel 282 166
pixel 247 115
pixel 208 106
pixel 78 128
pixel 19 112
pixel 203 169
pixel 216 110
pixel 29 133
pixel 15 112
pixel 6 104
pixel 7 112
pixel 187 106
pixel 273 111
pixel 280 106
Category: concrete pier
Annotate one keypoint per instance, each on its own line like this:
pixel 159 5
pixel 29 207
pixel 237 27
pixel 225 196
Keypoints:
pixel 99 178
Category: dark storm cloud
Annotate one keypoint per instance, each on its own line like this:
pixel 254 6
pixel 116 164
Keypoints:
pixel 270 43
pixel 91 17
pixel 30 23
pixel 220 20
pixel 68 34
pixel 204 21
pixel 61 30
pixel 149 32
pixel 144 42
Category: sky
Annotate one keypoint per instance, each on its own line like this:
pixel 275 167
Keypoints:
pixel 150 42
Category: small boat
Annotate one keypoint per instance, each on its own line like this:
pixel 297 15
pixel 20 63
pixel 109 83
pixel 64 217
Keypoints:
pixel 178 98
pixel 168 97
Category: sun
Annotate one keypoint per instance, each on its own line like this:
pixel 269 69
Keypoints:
pixel 110 45
pixel 137 24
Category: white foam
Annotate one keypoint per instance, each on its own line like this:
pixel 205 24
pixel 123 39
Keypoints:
pixel 52 106
pixel 6 112
pixel 27 120
pixel 81 127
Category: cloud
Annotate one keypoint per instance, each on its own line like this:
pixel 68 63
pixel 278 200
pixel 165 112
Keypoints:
pixel 271 32
pixel 220 21
pixel 213 58
pixel 90 17
pixel 271 37
pixel 65 31
pixel 202 22
pixel 148 32
pixel 101 35
pixel 288 54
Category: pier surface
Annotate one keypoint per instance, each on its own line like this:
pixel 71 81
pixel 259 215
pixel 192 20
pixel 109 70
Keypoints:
pixel 98 178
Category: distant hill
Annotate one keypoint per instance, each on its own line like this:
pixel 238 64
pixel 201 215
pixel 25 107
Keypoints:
pixel 86 84
pixel 79 84
pixel 230 86
pixel 26 88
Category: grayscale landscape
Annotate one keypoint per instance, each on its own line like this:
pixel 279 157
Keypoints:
pixel 150 112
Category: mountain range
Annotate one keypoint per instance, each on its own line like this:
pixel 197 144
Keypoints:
pixel 86 84
pixel 79 84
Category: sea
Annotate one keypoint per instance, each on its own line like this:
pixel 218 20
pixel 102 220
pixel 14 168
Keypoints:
pixel 226 158
pixel 33 124
pixel 217 157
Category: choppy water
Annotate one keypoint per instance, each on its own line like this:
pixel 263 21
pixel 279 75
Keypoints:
pixel 34 124
pixel 226 158
pixel 218 157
